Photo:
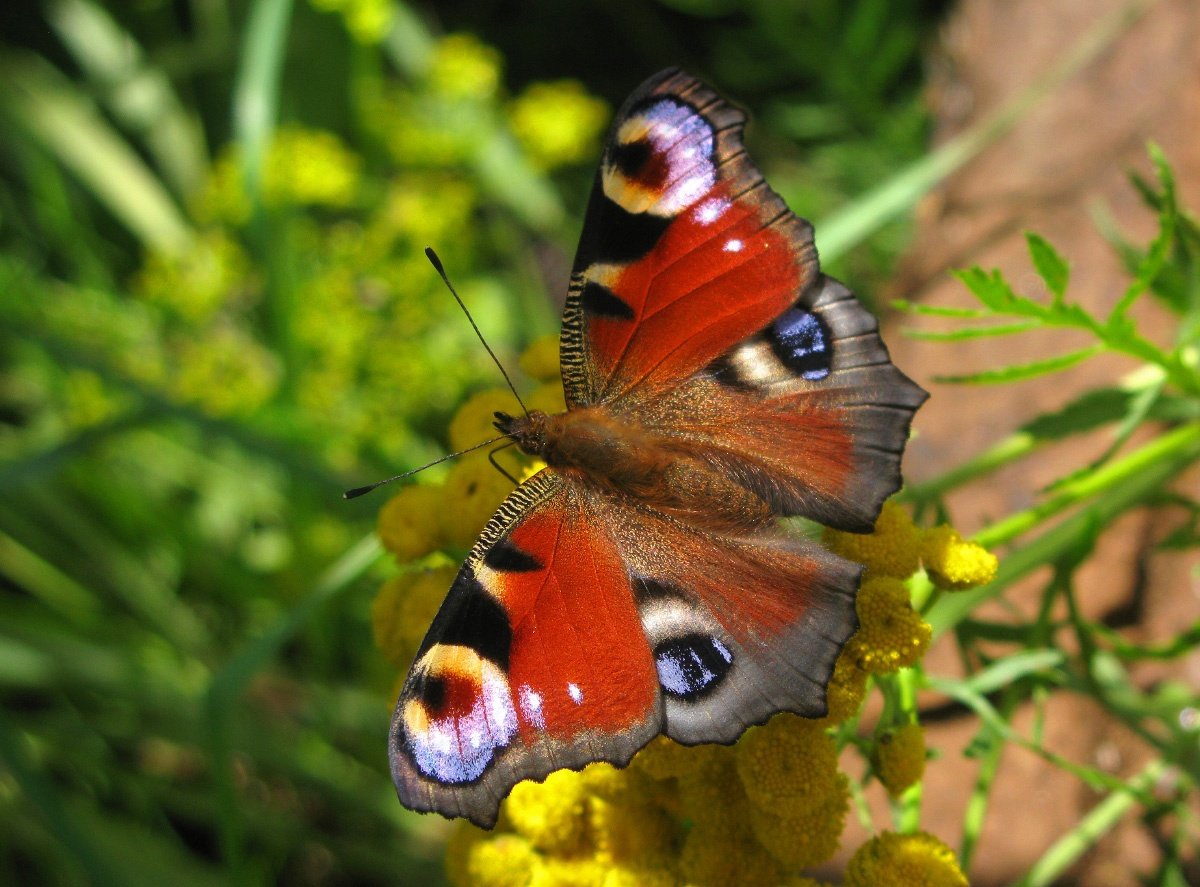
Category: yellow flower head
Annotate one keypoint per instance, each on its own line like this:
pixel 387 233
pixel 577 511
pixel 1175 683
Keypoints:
pixel 502 860
pixel 788 766
pixel 403 610
pixel 709 791
pixel 540 360
pixel 408 523
pixel 551 815
pixel 891 634
pixel 917 860
pixel 893 548
pixel 808 839
pixel 719 854
pixel 633 834
pixel 474 490
pixel 953 563
pixel 845 691
pixel 465 68
pixel 472 423
pixel 900 758
pixel 368 21
pixel 557 123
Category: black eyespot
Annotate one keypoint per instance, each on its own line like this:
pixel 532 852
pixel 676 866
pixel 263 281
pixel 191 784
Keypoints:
pixel 431 690
pixel 691 665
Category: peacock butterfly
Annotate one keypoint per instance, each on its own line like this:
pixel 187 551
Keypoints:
pixel 641 584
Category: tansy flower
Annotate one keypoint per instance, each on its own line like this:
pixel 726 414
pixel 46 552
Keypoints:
pixel 716 854
pixel 403 610
pixel 788 765
pixel 557 123
pixel 845 691
pixel 632 833
pixel 891 634
pixel 502 860
pixel 899 758
pixel 474 490
pixel 472 423
pixel 893 548
pixel 917 860
pixel 408 523
pixel 464 68
pixel 368 21
pixel 807 839
pixel 540 360
pixel 551 815
pixel 952 562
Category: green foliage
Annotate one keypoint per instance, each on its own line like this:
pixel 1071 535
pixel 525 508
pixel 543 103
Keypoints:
pixel 216 316
pixel 1016 660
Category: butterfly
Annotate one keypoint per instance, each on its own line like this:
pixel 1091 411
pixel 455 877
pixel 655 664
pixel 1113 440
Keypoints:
pixel 642 583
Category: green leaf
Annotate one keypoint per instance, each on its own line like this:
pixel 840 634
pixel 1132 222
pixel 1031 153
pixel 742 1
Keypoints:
pixel 990 288
pixel 973 332
pixel 1051 266
pixel 941 311
pixel 1012 668
pixel 1020 372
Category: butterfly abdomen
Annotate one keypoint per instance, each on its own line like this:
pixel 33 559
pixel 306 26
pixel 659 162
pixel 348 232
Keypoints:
pixel 626 459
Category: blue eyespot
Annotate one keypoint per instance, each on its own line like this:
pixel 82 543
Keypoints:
pixel 801 340
pixel 691 665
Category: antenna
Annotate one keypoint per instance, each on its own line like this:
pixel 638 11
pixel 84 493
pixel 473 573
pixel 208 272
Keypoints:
pixel 362 491
pixel 437 266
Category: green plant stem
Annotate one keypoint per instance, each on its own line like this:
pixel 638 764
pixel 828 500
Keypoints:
pixel 1115 487
pixel 1101 819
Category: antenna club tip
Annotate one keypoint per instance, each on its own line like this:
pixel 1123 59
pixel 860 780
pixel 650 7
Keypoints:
pixel 434 260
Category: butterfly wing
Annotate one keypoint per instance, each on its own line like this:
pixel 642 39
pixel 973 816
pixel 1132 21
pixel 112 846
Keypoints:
pixel 536 661
pixel 697 308
pixel 583 624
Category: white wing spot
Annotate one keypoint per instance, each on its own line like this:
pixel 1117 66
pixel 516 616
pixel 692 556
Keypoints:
pixel 733 246
pixel 575 693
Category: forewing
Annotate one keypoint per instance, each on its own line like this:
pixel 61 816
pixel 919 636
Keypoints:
pixel 536 661
pixel 685 251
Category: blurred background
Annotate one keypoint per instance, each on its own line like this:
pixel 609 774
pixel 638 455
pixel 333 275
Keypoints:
pixel 215 315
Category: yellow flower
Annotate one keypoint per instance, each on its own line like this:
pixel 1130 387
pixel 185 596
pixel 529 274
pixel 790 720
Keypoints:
pixel 548 398
pixel 552 871
pixel 664 758
pixel 474 490
pixel 632 834
pixel 309 167
pixel 404 609
pixel 465 68
pixel 408 523
pixel 368 21
pixel 710 792
pixel 720 854
pixel 557 123
pixel 788 765
pixel 798 842
pixel 551 815
pixel 502 860
pixel 916 860
pixel 891 634
pixel 214 274
pixel 953 563
pixel 641 876
pixel 540 360
pixel 845 691
pixel 893 548
pixel 900 758
pixel 472 423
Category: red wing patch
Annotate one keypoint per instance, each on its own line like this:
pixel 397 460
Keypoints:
pixel 685 250
pixel 536 661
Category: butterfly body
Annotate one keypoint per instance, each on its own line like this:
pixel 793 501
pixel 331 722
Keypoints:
pixel 642 583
